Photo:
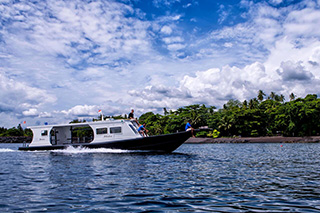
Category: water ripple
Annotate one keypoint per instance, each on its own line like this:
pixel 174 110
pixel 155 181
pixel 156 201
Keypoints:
pixel 203 178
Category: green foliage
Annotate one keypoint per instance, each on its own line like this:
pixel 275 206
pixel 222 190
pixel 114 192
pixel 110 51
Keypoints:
pixel 256 117
pixel 14 131
pixel 3 130
pixel 214 134
pixel 174 121
pixel 77 121
pixel 202 134
pixel 28 132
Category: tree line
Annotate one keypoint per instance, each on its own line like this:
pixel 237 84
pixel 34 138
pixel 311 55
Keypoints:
pixel 15 131
pixel 261 116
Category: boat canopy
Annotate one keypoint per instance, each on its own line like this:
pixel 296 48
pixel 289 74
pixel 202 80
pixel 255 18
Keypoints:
pixel 88 132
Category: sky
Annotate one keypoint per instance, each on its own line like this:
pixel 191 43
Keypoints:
pixel 67 59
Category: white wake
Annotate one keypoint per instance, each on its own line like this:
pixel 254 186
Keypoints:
pixel 79 150
pixel 7 150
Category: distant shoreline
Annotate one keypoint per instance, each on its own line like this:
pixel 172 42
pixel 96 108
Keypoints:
pixel 272 139
pixel 15 139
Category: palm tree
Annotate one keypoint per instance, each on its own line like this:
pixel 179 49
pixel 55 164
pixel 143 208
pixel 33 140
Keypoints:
pixel 253 103
pixel 261 95
pixel 165 111
pixel 292 97
pixel 272 95
pixel 245 104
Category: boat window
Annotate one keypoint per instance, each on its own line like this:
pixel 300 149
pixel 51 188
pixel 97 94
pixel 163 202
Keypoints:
pixel 115 129
pixel 44 132
pixel 102 131
pixel 82 134
pixel 133 129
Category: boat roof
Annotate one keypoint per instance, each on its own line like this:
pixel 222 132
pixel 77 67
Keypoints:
pixel 109 121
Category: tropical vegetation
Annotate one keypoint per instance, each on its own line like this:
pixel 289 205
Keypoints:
pixel 15 131
pixel 261 116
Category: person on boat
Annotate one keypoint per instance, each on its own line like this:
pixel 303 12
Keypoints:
pixel 142 130
pixel 189 127
pixel 131 115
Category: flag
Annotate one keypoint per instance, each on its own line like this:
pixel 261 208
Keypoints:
pixel 24 122
pixel 99 111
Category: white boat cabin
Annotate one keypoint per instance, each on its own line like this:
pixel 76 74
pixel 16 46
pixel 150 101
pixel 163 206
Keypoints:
pixel 88 132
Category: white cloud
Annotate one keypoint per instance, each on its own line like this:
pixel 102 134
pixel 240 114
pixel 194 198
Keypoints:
pixel 166 30
pixel 228 44
pixel 92 111
pixel 45 115
pixel 31 112
pixel 170 40
pixel 175 47
pixel 156 97
pixel 314 59
pixel 187 5
pixel 276 1
pixel 82 111
pixel 290 71
pixel 303 23
pixel 215 86
pixel 18 97
pixel 65 59
pixel 75 30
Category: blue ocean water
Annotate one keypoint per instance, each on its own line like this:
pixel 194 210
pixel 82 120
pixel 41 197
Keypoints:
pixel 195 178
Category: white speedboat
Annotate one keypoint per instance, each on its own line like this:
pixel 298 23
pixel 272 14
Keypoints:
pixel 114 134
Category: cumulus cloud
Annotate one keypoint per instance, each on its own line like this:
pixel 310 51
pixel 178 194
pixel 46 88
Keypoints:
pixel 314 59
pixel 31 112
pixel 210 87
pixel 288 68
pixel 216 86
pixel 166 30
pixel 20 98
pixel 303 23
pixel 81 111
pixel 67 59
pixel 92 111
pixel 290 71
pixel 45 115
pixel 154 98
pixel 158 92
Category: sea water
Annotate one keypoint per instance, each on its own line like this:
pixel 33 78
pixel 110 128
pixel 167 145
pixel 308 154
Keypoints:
pixel 195 178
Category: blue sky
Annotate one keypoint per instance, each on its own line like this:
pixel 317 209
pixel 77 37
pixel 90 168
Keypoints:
pixel 62 60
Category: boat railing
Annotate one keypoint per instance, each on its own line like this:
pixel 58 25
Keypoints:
pixel 83 139
pixel 24 144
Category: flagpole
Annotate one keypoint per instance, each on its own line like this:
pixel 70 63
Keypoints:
pixel 100 111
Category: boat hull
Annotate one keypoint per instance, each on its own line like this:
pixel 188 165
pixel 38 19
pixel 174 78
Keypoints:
pixel 160 143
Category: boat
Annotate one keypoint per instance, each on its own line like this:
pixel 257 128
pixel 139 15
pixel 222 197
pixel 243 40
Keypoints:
pixel 113 134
